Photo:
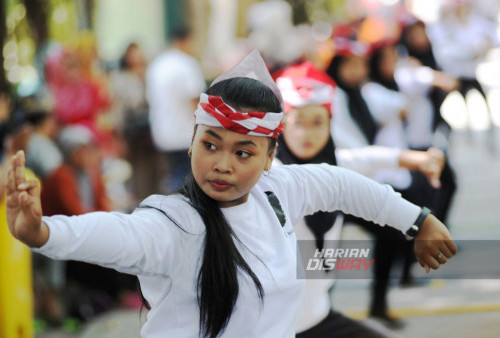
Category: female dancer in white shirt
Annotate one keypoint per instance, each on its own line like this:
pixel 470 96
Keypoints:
pixel 214 260
pixel 308 95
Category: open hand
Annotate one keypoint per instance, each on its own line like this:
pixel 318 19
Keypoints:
pixel 24 210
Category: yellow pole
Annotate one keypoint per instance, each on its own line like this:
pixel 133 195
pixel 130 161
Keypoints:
pixel 16 291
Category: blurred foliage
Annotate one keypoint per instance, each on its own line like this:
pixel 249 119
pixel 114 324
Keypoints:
pixel 310 11
pixel 30 26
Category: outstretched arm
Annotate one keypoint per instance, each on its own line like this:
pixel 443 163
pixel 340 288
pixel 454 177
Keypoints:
pixel 313 187
pixel 370 159
pixel 127 243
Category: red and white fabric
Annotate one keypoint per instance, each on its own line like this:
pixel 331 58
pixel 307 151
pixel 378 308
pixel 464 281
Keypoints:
pixel 214 112
pixel 303 85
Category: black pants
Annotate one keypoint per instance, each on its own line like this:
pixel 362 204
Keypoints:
pixel 390 245
pixel 466 85
pixel 338 325
pixel 438 200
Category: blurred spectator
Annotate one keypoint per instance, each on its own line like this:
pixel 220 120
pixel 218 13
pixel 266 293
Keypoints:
pixel 462 39
pixel 79 89
pixel 43 155
pixel 416 44
pixel 128 87
pixel 273 33
pixel 14 132
pixel 77 187
pixel 174 83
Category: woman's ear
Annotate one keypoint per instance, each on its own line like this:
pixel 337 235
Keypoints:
pixel 270 158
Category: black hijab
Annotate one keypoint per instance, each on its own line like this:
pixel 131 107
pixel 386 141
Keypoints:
pixel 319 222
pixel 375 73
pixel 358 109
pixel 426 57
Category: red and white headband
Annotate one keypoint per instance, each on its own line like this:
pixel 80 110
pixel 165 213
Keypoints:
pixel 303 85
pixel 214 112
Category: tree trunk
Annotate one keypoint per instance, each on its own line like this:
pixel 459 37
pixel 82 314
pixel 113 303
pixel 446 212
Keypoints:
pixel 4 84
pixel 37 15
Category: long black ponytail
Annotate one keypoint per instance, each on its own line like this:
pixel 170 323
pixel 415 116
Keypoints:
pixel 218 286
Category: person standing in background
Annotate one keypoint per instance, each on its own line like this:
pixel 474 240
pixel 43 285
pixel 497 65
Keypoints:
pixel 463 38
pixel 130 105
pixel 174 81
pixel 43 155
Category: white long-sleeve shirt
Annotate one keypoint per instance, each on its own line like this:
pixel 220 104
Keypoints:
pixel 167 256
pixel 315 303
pixel 458 45
pixel 385 105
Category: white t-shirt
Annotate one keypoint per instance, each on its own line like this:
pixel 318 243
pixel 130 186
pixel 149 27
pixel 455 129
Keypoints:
pixel 173 80
pixel 167 257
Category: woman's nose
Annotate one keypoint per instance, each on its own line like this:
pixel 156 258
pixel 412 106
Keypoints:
pixel 223 163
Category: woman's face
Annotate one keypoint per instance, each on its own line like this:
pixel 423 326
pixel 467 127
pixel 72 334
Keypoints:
pixel 353 71
pixel 307 130
pixel 417 38
pixel 227 164
pixel 388 60
pixel 135 57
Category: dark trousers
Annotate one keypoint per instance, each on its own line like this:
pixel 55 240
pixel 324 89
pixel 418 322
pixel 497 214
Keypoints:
pixel 438 200
pixel 390 244
pixel 338 325
pixel 466 85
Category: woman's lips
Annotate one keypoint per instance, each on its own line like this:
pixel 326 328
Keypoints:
pixel 220 185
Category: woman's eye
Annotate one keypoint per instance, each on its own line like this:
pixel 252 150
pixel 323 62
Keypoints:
pixel 318 123
pixel 209 146
pixel 243 154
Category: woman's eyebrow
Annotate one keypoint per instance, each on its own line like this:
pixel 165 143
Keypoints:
pixel 246 143
pixel 241 143
pixel 214 134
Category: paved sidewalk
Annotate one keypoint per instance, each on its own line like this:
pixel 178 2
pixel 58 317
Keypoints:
pixel 448 307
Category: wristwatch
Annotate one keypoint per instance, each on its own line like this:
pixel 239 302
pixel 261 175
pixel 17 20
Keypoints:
pixel 415 228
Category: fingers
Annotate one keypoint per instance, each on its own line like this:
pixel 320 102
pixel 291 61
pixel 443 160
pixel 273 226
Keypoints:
pixel 29 191
pixel 11 181
pixel 31 186
pixel 451 246
pixel 424 265
pixel 434 176
pixel 437 255
pixel 19 169
pixel 445 252
pixel 432 262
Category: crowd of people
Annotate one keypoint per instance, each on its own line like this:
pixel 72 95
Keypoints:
pixel 207 251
